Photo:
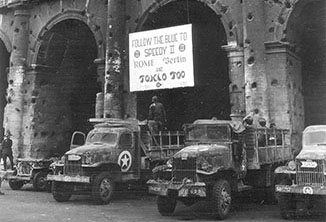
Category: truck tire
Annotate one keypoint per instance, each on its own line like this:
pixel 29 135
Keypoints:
pixel 39 181
pixel 221 199
pixel 166 205
pixel 16 184
pixel 287 204
pixel 61 192
pixel 102 188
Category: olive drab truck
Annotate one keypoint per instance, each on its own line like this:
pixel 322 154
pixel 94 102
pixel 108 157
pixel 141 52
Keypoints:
pixel 114 152
pixel 303 180
pixel 220 157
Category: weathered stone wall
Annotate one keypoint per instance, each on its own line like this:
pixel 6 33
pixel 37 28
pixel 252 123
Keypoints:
pixel 263 43
pixel 36 132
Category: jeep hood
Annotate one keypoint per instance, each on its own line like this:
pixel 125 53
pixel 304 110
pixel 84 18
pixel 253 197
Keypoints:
pixel 313 152
pixel 92 148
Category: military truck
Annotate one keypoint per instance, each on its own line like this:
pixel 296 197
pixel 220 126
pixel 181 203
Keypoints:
pixel 220 157
pixel 29 170
pixel 114 152
pixel 303 180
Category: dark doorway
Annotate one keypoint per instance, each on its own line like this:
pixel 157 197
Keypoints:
pixel 66 91
pixel 210 95
pixel 313 56
pixel 4 64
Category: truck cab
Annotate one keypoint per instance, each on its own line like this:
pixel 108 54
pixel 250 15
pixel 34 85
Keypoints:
pixel 115 151
pixel 219 157
pixel 303 180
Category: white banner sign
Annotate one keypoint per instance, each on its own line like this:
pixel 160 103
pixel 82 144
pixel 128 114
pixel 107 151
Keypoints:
pixel 161 58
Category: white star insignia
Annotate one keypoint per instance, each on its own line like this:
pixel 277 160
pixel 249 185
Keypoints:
pixel 124 160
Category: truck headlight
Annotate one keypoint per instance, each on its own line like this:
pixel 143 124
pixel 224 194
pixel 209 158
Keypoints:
pixel 169 163
pixel 88 158
pixel 292 165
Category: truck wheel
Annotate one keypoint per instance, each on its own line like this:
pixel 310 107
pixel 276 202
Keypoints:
pixel 39 181
pixel 166 205
pixel 16 184
pixel 102 188
pixel 61 192
pixel 287 205
pixel 221 199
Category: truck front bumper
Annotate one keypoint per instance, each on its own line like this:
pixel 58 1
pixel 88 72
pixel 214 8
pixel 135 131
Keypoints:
pixel 69 179
pixel 301 189
pixel 163 188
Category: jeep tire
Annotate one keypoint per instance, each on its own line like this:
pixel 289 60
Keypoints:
pixel 39 181
pixel 16 184
pixel 102 188
pixel 61 192
pixel 221 199
pixel 166 205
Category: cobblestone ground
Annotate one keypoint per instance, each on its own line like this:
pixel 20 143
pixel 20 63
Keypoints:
pixel 28 205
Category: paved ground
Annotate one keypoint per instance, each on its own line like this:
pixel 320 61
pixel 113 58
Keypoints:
pixel 27 205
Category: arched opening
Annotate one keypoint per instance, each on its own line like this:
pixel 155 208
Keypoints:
pixel 65 92
pixel 313 56
pixel 210 95
pixel 306 29
pixel 4 63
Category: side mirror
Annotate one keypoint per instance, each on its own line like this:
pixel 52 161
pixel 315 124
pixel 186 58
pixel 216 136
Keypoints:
pixel 77 139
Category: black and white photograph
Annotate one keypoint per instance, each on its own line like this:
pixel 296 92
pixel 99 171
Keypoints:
pixel 162 110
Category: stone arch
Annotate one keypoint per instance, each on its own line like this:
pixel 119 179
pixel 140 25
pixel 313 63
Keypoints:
pixel 5 40
pixel 78 15
pixel 287 17
pixel 210 95
pixel 64 84
pixel 305 30
pixel 219 8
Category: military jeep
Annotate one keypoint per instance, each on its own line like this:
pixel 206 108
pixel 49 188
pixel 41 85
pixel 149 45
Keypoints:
pixel 33 171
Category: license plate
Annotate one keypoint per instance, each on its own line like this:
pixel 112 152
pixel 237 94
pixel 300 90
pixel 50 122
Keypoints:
pixel 155 189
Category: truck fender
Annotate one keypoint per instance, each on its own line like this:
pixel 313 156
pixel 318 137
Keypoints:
pixel 228 175
pixel 113 168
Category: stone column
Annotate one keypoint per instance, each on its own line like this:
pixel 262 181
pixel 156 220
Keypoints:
pixel 99 107
pixel 115 56
pixel 236 75
pixel 285 91
pixel 256 89
pixel 15 101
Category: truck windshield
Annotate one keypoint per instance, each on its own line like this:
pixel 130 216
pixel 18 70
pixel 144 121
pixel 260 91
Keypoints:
pixel 110 138
pixel 315 138
pixel 206 133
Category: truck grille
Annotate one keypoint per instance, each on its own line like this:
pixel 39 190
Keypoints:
pixel 184 169
pixel 311 175
pixel 72 168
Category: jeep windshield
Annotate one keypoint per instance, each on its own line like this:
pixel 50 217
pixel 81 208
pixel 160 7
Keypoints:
pixel 108 138
pixel 206 133
pixel 315 138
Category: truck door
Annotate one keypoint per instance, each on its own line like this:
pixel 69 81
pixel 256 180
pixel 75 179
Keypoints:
pixel 77 139
pixel 126 158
